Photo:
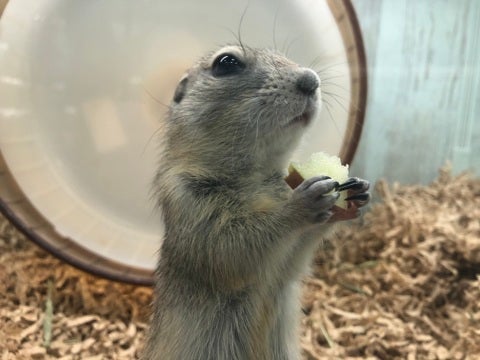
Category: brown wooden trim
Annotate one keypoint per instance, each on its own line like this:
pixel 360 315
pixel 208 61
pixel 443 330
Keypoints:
pixel 347 21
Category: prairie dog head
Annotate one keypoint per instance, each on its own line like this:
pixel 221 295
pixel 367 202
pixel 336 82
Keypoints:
pixel 245 105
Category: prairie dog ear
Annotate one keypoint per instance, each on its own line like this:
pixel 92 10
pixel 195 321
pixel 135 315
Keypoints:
pixel 181 89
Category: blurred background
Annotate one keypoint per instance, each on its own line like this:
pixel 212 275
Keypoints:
pixel 84 87
pixel 423 105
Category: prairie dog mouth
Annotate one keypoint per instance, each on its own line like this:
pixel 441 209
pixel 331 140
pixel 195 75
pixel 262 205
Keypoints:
pixel 305 118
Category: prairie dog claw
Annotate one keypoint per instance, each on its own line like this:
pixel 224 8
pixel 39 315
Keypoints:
pixel 354 184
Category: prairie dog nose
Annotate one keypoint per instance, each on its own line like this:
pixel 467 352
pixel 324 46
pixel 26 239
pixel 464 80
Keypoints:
pixel 308 82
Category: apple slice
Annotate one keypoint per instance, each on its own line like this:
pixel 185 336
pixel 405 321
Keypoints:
pixel 319 164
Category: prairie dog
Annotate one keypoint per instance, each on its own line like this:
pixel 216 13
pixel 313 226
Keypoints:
pixel 237 239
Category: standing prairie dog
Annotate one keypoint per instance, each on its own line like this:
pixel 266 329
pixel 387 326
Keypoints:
pixel 237 238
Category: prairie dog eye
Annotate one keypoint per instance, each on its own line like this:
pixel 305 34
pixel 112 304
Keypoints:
pixel 227 64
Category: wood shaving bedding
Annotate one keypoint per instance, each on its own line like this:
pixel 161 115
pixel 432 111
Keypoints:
pixel 402 283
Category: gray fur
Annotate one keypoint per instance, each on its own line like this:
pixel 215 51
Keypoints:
pixel 238 239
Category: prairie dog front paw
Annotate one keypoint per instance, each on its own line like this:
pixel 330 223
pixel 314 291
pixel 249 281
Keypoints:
pixel 315 198
pixel 358 196
pixel 319 164
pixel 353 191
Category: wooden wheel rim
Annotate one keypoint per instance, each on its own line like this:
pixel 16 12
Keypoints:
pixel 17 208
